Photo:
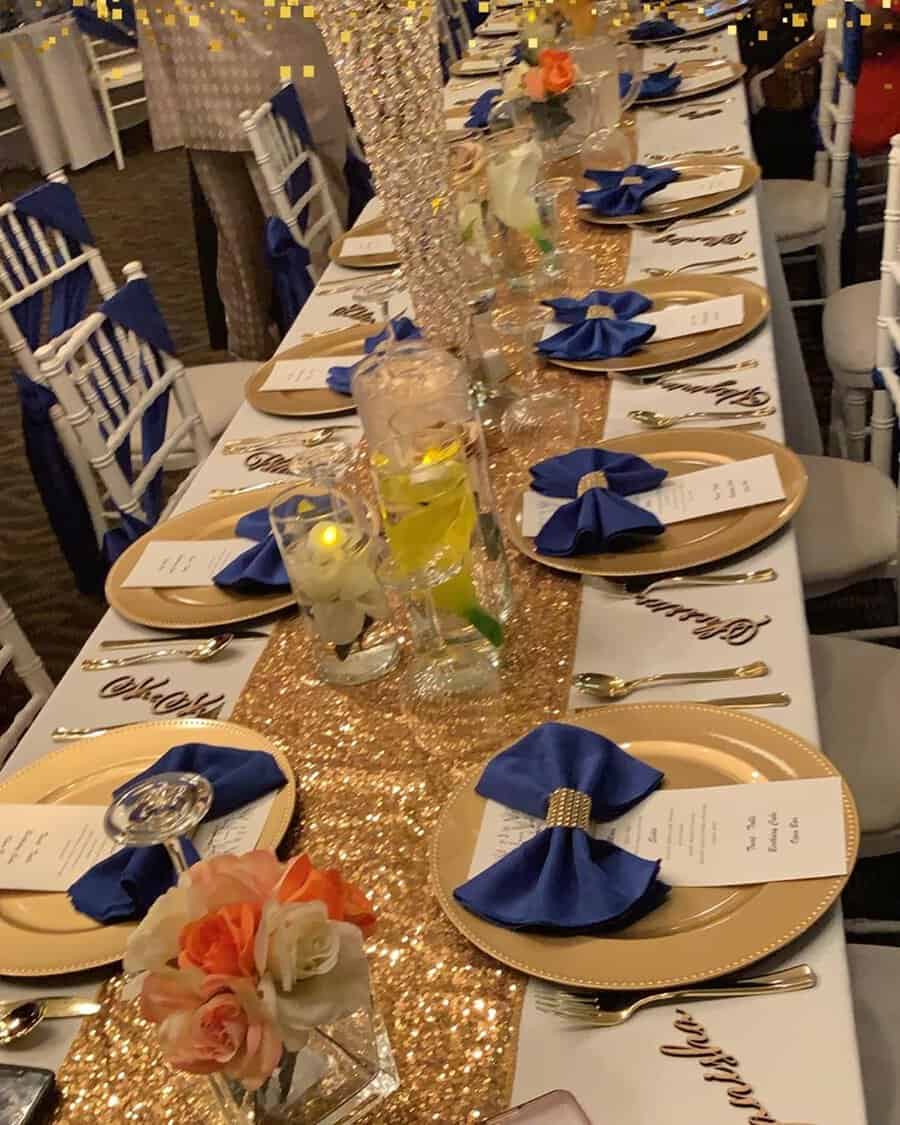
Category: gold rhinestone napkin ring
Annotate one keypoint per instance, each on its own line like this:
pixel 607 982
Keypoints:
pixel 600 312
pixel 590 480
pixel 569 808
pixel 630 181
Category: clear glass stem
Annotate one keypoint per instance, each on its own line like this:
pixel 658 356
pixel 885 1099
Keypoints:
pixel 176 854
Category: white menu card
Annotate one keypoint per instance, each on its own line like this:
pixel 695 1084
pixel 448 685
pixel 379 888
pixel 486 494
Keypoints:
pixel 48 847
pixel 184 562
pixel 307 374
pixel 360 245
pixel 697 316
pixel 723 488
pixel 720 836
pixel 694 188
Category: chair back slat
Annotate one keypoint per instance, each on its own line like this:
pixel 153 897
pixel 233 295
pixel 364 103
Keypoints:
pixel 16 650
pixel 886 404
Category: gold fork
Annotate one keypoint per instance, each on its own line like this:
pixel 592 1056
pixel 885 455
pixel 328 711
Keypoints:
pixel 710 262
pixel 600 1009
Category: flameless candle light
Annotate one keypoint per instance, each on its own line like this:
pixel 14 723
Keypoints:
pixel 327 538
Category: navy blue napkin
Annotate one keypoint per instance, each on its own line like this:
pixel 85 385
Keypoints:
pixel 563 880
pixel 260 568
pixel 659 28
pixel 613 197
pixel 661 83
pixel 598 337
pixel 126 885
pixel 601 519
pixel 340 378
pixel 481 109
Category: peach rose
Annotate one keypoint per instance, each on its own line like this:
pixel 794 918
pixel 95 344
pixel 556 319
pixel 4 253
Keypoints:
pixel 214 1024
pixel 222 942
pixel 557 69
pixel 533 82
pixel 223 879
pixel 344 902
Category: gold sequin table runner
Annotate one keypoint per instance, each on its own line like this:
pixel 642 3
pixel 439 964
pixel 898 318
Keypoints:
pixel 371 781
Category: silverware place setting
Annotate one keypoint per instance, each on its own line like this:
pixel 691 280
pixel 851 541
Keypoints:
pixel 773 699
pixel 22 1017
pixel 695 109
pixel 698 372
pixel 606 686
pixel 199 653
pixel 673 224
pixel 309 438
pixel 727 150
pixel 710 263
pixel 748 578
pixel 655 421
pixel 609 1009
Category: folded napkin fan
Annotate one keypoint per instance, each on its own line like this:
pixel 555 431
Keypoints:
pixel 601 325
pixel 340 378
pixel 126 885
pixel 623 193
pixel 659 28
pixel 599 518
pixel 657 85
pixel 481 109
pixel 260 569
pixel 563 880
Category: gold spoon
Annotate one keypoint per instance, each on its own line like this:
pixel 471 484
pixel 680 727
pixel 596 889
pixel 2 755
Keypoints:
pixel 605 686
pixel 199 653
pixel 655 421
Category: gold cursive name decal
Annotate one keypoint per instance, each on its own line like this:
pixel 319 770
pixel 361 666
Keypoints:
pixel 719 1067
pixel 732 630
pixel 162 702
pixel 728 390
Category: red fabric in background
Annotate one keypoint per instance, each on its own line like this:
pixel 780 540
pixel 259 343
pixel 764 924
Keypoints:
pixel 877 116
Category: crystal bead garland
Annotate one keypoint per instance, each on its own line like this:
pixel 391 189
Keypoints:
pixel 386 55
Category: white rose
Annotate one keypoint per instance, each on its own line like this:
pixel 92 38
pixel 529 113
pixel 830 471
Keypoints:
pixel 318 1000
pixel 295 940
pixel 155 941
pixel 508 182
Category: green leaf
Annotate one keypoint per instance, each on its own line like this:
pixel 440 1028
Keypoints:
pixel 487 625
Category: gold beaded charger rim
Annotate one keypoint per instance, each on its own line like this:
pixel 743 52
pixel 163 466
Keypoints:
pixel 691 168
pixel 41 933
pixel 363 261
pixel 721 77
pixel 683 289
pixel 311 402
pixel 694 745
pixel 690 543
pixel 193 607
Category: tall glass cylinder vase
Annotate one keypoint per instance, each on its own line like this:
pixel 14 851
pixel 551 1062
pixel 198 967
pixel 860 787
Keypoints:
pixel 386 55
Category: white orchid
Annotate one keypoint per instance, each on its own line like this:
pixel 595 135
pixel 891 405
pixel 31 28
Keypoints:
pixel 509 178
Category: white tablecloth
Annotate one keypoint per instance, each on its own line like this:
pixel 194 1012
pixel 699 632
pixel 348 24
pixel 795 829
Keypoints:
pixel 798 1051
pixel 45 66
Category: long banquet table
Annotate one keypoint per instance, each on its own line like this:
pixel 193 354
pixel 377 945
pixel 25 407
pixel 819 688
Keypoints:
pixel 466 1040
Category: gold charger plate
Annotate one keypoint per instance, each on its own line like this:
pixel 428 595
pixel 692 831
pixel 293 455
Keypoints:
pixel 193 607
pixel 694 542
pixel 41 933
pixel 727 76
pixel 309 403
pixel 363 261
pixel 489 66
pixel 683 289
pixel 699 932
pixel 691 168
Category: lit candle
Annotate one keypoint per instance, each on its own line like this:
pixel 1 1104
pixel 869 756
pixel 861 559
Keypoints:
pixel 327 538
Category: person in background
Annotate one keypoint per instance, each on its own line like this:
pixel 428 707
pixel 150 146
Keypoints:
pixel 203 65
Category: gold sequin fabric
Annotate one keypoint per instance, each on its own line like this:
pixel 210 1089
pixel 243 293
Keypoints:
pixel 372 778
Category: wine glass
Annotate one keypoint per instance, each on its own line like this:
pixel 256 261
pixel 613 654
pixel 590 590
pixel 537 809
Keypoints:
pixel 540 425
pixel 524 324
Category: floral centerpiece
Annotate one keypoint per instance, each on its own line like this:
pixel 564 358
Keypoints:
pixel 545 77
pixel 244 957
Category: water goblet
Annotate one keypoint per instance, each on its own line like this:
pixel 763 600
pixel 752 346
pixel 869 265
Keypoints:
pixel 540 425
pixel 524 324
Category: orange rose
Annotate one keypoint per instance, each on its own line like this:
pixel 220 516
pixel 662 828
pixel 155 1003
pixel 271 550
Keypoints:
pixel 557 69
pixel 301 882
pixel 533 84
pixel 221 943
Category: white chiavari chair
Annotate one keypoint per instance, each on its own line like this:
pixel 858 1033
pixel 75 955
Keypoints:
pixel 851 354
pixel 280 153
pixel 848 528
pixel 809 214
pixel 874 971
pixel 10 122
pixel 113 69
pixel 106 378
pixel 16 651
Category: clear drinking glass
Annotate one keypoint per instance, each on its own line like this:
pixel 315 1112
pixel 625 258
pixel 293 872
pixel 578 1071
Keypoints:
pixel 524 324
pixel 607 149
pixel 164 810
pixel 547 195
pixel 540 425
pixel 332 558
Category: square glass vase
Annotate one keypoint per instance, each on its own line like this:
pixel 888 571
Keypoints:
pixel 345 1070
